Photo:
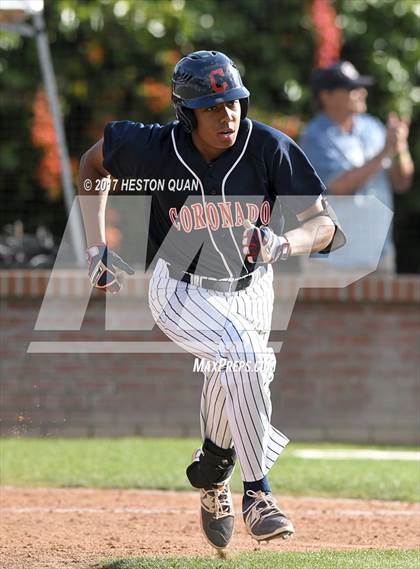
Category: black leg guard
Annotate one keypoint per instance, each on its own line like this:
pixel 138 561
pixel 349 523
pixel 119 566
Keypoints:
pixel 212 466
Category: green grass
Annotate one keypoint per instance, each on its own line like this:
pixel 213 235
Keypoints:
pixel 160 464
pixel 366 559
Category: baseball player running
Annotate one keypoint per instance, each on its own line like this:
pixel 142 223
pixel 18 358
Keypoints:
pixel 216 230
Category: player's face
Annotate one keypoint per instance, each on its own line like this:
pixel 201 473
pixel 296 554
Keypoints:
pixel 217 128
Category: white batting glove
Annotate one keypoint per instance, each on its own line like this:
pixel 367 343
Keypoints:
pixel 261 243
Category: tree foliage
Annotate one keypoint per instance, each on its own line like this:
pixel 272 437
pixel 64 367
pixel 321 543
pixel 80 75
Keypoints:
pixel 114 58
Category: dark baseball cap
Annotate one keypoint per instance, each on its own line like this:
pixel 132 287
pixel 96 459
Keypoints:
pixel 341 75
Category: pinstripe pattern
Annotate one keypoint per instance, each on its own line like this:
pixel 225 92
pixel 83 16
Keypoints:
pixel 230 328
pixel 213 418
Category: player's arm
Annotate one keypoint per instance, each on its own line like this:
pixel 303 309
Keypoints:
pixel 103 262
pixel 315 232
pixel 319 229
pixel 93 203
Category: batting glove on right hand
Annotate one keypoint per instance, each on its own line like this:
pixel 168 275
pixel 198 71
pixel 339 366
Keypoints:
pixel 103 264
pixel 262 242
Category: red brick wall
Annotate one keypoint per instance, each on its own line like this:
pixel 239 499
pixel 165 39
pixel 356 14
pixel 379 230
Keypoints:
pixel 348 369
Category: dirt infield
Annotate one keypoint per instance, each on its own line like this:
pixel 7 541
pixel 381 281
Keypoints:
pixel 60 528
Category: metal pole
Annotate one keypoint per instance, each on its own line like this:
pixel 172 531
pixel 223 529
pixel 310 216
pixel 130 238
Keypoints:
pixel 44 54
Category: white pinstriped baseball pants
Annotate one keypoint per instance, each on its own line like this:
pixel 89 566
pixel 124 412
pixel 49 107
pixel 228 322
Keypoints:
pixel 230 330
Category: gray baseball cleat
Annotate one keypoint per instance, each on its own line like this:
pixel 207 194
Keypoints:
pixel 217 515
pixel 263 518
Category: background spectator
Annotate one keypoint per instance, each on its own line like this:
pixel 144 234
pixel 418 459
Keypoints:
pixel 354 153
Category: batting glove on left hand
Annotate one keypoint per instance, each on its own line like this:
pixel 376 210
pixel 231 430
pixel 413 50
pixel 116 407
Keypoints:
pixel 261 243
pixel 103 265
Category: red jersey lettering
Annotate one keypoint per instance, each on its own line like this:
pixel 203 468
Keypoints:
pixel 173 214
pixel 226 213
pixel 199 222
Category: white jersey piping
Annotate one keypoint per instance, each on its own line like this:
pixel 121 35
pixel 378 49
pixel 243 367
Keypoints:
pixel 241 256
pixel 203 199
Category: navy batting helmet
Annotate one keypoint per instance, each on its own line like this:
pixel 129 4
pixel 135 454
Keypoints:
pixel 203 79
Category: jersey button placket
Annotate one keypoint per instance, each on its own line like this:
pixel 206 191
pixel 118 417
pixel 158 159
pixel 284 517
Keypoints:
pixel 209 177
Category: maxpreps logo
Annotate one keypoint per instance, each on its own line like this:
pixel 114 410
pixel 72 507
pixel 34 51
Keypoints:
pixel 217 215
pixel 66 300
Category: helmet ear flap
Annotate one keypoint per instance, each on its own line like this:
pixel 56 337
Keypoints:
pixel 244 107
pixel 186 117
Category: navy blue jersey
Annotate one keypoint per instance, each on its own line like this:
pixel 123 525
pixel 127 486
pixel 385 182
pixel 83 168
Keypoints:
pixel 198 208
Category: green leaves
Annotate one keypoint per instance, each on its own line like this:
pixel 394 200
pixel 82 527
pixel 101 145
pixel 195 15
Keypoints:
pixel 114 59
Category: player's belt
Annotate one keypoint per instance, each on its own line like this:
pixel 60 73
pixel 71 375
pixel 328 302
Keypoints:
pixel 220 285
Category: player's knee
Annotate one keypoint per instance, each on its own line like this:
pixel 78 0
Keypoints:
pixel 211 465
pixel 255 368
pixel 237 342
